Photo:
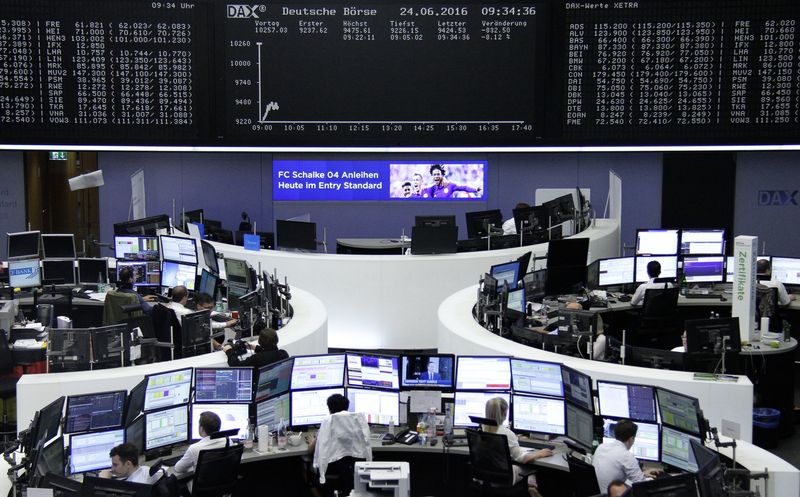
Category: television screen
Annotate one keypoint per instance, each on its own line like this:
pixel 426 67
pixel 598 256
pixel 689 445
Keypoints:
pixel 58 246
pixel 708 335
pixel 704 269
pixel 298 235
pixel 425 371
pixel 669 267
pixel 177 249
pixel 136 248
pixel 428 240
pixel 468 404
pixel 703 242
pixel 24 274
pixel 372 371
pixel 318 371
pixel 483 373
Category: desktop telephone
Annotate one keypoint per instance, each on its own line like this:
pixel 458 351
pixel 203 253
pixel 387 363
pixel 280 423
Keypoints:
pixel 407 437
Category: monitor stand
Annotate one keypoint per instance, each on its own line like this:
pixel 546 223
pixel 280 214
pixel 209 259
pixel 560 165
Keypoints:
pixel 157 453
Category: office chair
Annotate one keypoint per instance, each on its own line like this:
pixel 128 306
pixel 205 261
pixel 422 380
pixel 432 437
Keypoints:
pixel 658 325
pixel 582 477
pixel 113 312
pixel 216 473
pixel 339 476
pixel 46 314
pixel 167 330
pixel 491 467
pixel 8 384
pixel 767 299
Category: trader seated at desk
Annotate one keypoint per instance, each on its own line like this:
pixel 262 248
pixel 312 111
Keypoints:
pixel 266 352
pixel 125 285
pixel 180 297
pixel 613 460
pixel 653 271
pixel 764 275
pixel 125 466
pixel 208 425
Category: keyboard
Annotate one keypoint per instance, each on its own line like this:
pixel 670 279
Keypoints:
pixel 531 444
pixel 171 461
pixel 701 296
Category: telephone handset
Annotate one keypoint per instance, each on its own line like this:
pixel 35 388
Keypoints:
pixel 407 437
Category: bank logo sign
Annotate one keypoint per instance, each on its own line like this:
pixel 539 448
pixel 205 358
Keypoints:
pixel 778 197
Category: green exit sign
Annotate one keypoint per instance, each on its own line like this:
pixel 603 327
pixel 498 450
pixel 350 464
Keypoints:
pixel 58 156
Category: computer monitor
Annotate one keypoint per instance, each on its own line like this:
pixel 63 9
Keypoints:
pixel 575 322
pixel 616 271
pixel 430 241
pixel 531 218
pixel 515 303
pixel 223 384
pixel 48 422
pixel 506 274
pixel 136 248
pixel 134 433
pixel 95 411
pixel 271 411
pixel 166 427
pixel 703 242
pixel 704 269
pixel 786 270
pixel 434 221
pixel 92 271
pixel 578 388
pixel 580 426
pixel 656 242
pixel 708 335
pixel 710 471
pixel 669 267
pixel 567 253
pixel 374 371
pixel 58 272
pixel 231 415
pixel 730 265
pixel 237 272
pixel 210 256
pixel 538 414
pixel 89 451
pixel 560 209
pixel 51 458
pixel 167 389
pixel 298 235
pixel 535 284
pixel 177 274
pixel 483 373
pixel 536 377
pixel 626 400
pixel 107 343
pixel 682 485
pixel 381 407
pixel 208 283
pixel 23 245
pixel 646 446
pixel 427 371
pixel 107 487
pixel 58 246
pixel 147 226
pixel 676 449
pixel 179 249
pixel 656 358
pixel 145 274
pixel 468 404
pixel 309 407
pixel 196 329
pixel 480 222
pixel 318 371
pixel 274 379
pixel 135 403
pixel 73 347
pixel 678 411
pixel 24 273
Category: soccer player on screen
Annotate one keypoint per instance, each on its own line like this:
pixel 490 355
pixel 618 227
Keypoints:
pixel 442 188
pixel 416 184
pixel 406 189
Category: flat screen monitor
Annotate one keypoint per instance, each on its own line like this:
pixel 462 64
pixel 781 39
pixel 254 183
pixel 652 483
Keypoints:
pixel 107 343
pixel 560 209
pixel 147 226
pixel 49 421
pixel 58 272
pixel 481 222
pixel 669 267
pixel 656 242
pixel 703 242
pixel 134 433
pixel 580 426
pixel 92 271
pixel 271 411
pixel 676 449
pixel 107 487
pixel 710 472
pixel 136 248
pixel 194 216
pixel 298 235
pixel 468 404
pixel 210 256
pixel 786 270
pixel 223 384
pixel 135 403
pixel 704 269
pixel 576 321
pixel 374 371
pixel 708 335
pixel 95 411
pixel 678 410
pixel 538 414
pixel 536 377
pixel 232 416
pixel 51 458
pixel 74 345
pixel 237 272
pixel 483 373
pixel 208 283
pixel 177 274
pixel 23 245
pixel 567 253
pixel 646 446
pixel 274 379
pixel 318 371
pixel 535 284
pixel 506 274
pixel 626 400
pixel 616 271
pixel 179 249
pixel 89 451
pixel 24 273
pixel 531 218
pixel 58 246
pixel 431 241
pixel 196 328
pixel 309 407
pixel 730 265
pixel 167 427
pixel 515 303
pixel 145 274
pixel 682 485
pixel 578 388
pixel 434 221
pixel 167 389
pixel 381 407
pixel 425 371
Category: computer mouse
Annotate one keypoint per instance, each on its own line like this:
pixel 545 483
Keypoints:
pixel 722 298
pixel 624 298
pixel 434 441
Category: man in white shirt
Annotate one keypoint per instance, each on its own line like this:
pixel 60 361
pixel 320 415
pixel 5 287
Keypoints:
pixel 209 424
pixel 764 272
pixel 180 296
pixel 125 466
pixel 613 460
pixel 653 271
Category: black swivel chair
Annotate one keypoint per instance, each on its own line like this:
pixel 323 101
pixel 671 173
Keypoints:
pixel 8 383
pixel 583 477
pixel 491 467
pixel 767 306
pixel 339 476
pixel 217 472
pixel 167 330
pixel 659 326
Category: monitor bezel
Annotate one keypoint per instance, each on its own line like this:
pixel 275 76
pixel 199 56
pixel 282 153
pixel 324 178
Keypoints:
pixel 36 262
pixel 720 279
pixel 94 280
pixel 161 275
pixel 516 264
pixel 71 237
pixel 711 230
pixel 664 428
pixel 632 275
pixel 26 256
pixel 658 429
pixel 507 395
pixel 287 421
pixel 71 262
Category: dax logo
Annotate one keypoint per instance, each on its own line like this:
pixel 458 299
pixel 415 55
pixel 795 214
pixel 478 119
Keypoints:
pixel 236 11
pixel 778 197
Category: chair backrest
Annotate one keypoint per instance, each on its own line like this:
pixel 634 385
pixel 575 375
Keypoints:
pixel 112 307
pixel 167 329
pixel 660 302
pixel 583 477
pixel 45 314
pixel 767 298
pixel 490 457
pixel 217 471
pixel 6 356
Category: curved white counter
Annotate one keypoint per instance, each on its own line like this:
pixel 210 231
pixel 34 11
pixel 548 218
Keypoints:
pixel 390 301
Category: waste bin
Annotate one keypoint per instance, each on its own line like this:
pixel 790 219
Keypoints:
pixel 766 422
